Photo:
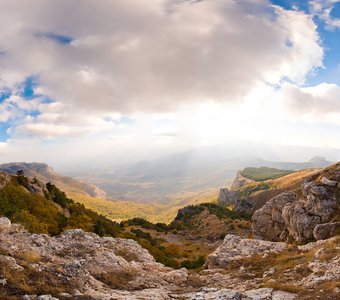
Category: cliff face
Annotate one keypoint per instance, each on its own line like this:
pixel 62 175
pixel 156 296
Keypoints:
pixel 308 213
pixel 247 196
pixel 227 197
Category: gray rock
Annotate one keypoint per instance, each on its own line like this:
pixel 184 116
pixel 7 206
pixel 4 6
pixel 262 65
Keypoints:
pixel 235 248
pixel 5 223
pixel 227 197
pixel 47 297
pixel 326 231
pixel 259 294
pixel 213 293
pixel 297 214
pixel 240 181
pixel 4 179
pixel 328 182
pixel 281 295
pixel 268 222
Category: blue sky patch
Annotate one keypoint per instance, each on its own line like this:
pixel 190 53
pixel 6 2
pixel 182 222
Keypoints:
pixel 5 94
pixel 335 13
pixel 28 87
pixel 292 4
pixel 58 38
pixel 3 132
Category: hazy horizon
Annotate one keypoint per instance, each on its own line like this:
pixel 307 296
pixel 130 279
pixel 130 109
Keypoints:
pixel 115 82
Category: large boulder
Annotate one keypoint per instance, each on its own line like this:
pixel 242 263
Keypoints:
pixel 235 248
pixel 268 222
pixel 325 231
pixel 298 213
pixel 5 223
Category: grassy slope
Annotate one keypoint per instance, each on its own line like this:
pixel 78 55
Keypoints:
pixel 264 173
pixel 195 233
pixel 54 212
pixel 123 210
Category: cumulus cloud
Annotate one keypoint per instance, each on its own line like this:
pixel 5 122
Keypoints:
pixel 318 100
pixel 323 9
pixel 126 55
pixel 60 124
pixel 15 107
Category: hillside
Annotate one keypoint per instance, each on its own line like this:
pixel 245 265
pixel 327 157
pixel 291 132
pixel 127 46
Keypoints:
pixel 44 208
pixel 209 250
pixel 188 180
pixel 46 174
pixel 115 209
pixel 249 195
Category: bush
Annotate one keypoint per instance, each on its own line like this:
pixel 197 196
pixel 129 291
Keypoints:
pixel 193 264
pixel 159 227
pixel 22 180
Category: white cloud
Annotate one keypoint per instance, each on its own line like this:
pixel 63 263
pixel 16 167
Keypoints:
pixel 145 55
pixel 318 101
pixel 16 107
pixel 323 9
pixel 189 72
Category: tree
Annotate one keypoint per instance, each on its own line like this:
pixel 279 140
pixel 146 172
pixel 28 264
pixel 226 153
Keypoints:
pixel 22 179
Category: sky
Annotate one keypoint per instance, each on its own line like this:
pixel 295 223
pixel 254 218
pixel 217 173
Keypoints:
pixel 123 80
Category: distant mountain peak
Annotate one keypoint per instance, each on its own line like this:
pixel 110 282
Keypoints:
pixel 318 159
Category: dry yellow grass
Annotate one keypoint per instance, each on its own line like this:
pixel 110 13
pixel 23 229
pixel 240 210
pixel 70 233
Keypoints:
pixel 119 210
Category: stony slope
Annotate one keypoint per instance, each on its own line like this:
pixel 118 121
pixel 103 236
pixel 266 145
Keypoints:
pixel 79 265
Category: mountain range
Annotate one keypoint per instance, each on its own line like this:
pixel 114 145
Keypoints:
pixel 156 189
pixel 174 177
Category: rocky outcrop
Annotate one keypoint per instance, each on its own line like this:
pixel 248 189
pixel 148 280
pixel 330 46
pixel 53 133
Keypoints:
pixel 80 265
pixel 297 214
pixel 4 223
pixel 240 181
pixel 246 264
pixel 83 263
pixel 235 248
pixel 268 222
pixel 326 231
pixel 228 294
pixel 227 197
pixel 5 178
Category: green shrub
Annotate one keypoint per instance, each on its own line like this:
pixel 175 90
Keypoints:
pixel 193 264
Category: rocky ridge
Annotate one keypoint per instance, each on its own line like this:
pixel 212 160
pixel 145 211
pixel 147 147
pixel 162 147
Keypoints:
pixel 305 214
